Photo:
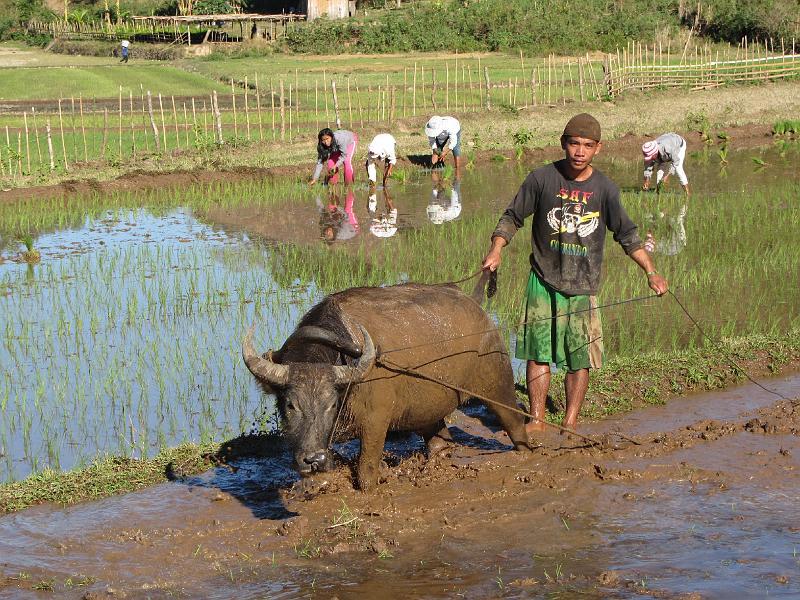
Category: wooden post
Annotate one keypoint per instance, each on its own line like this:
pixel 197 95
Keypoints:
pixel 360 111
pixel 258 108
pixel 474 103
pixel 194 123
pixel 405 89
pixel 446 86
pixel 349 105
pixel 533 86
pixel 296 100
pixel 433 90
pixel 28 143
pixel 144 119
pixel 414 93
pixel 290 112
pixel 186 124
pixel 153 121
pixel 580 79
pixel 272 104
pixel 455 84
pixel 283 113
pixel 488 87
pixel 61 129
pixel 175 118
pixel 217 118
pixel 50 145
pixel 246 107
pixel 316 102
pixel 422 76
pixel 133 131
pixel 105 132
pixel 119 123
pixel 325 95
pixel 36 135
pixel 164 143
pixel 335 104
pixel 74 128
pixel 233 103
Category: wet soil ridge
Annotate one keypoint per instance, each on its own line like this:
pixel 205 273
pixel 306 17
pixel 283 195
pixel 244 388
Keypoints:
pixel 474 519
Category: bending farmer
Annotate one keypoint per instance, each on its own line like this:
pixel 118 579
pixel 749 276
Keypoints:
pixel 571 204
pixel 444 135
pixel 381 148
pixel 334 150
pixel 668 148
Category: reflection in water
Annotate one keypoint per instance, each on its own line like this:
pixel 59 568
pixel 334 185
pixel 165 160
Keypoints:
pixel 666 230
pixel 385 224
pixel 444 207
pixel 337 222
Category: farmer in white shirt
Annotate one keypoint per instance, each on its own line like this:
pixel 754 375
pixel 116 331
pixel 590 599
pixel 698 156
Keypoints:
pixel 444 135
pixel 669 148
pixel 382 147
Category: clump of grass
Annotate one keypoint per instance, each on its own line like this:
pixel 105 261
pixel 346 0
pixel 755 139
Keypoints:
pixel 31 254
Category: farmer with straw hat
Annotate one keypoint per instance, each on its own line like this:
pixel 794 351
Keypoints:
pixel 669 148
pixel 444 135
pixel 571 204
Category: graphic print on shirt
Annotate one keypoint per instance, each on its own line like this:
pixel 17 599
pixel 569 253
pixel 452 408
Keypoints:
pixel 572 217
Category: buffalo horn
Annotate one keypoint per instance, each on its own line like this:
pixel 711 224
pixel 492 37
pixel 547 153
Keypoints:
pixel 345 375
pixel 312 333
pixel 270 372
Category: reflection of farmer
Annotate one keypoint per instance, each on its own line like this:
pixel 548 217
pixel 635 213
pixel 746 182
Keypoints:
pixel 125 44
pixel 385 225
pixel 335 223
pixel 666 233
pixel 444 135
pixel 669 148
pixel 571 204
pixel 444 207
pixel 335 149
pixel 381 148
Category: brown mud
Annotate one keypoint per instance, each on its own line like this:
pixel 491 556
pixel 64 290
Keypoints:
pixel 626 147
pixel 703 505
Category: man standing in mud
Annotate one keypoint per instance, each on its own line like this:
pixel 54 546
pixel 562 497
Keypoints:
pixel 571 204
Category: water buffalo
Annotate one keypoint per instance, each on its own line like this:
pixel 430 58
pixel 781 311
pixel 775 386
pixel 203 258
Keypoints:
pixel 334 346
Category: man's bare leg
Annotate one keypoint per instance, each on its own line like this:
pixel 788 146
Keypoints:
pixel 575 385
pixel 538 378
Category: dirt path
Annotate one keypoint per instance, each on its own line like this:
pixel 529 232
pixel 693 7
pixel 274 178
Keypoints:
pixel 703 507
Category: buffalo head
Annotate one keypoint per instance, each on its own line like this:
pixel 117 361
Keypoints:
pixel 308 392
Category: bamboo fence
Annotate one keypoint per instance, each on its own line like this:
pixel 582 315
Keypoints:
pixel 60 134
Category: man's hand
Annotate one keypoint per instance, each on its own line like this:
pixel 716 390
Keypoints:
pixel 657 283
pixel 492 260
pixel 435 158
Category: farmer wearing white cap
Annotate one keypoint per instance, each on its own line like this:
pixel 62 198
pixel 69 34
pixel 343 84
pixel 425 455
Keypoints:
pixel 668 148
pixel 382 147
pixel 444 135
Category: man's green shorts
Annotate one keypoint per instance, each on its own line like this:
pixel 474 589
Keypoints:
pixel 574 341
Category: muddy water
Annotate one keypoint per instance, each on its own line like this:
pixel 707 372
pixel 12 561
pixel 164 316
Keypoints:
pixel 125 338
pixel 700 508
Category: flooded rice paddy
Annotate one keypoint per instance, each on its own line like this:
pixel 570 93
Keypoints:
pixel 126 336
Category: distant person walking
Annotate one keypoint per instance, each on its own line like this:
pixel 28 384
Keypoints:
pixel 669 148
pixel 383 147
pixel 125 44
pixel 335 149
pixel 444 135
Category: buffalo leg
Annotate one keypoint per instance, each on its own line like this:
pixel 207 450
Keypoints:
pixel 504 405
pixel 373 437
pixel 436 437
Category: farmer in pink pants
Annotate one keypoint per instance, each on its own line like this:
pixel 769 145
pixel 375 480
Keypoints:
pixel 334 150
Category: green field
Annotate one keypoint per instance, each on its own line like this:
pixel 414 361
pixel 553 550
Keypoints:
pixel 25 83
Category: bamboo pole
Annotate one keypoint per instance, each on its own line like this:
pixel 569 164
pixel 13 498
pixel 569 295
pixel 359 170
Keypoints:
pixel 316 103
pixel 455 83
pixel 133 132
pixel 446 86
pixel 36 135
pixel 217 118
pixel 422 78
pixel 414 93
pixel 290 112
pixel 19 152
pixel 153 121
pixel 175 119
pixel 488 88
pixel 27 142
pixel 272 104
pixel 258 109
pixel 405 90
pixel 325 95
pixel 433 90
pixel 283 113
pixel 296 100
pixel 61 129
pixel 105 132
pixel 163 124
pixel 360 111
pixel 194 123
pixel 186 125
pixel 247 107
pixel 74 128
pixel 233 104
pixel 336 104
pixel 144 119
pixel 50 145
pixel 349 105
